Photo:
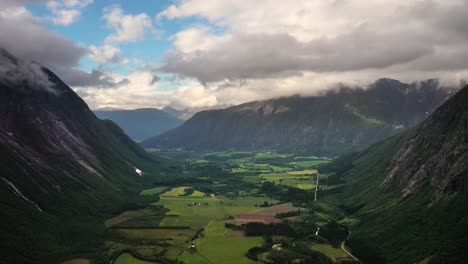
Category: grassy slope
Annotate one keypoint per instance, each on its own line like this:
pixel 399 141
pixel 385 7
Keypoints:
pixel 394 229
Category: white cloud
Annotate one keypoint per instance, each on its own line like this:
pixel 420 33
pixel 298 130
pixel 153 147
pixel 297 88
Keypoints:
pixel 66 12
pixel 127 27
pixel 105 53
pixel 139 89
pixel 279 48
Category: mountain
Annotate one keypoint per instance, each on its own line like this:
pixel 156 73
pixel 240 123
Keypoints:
pixel 409 192
pixel 62 170
pixel 174 112
pixel 187 113
pixel 143 123
pixel 342 120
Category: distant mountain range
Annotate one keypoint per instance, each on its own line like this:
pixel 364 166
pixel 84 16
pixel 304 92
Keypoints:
pixel 339 121
pixel 143 123
pixel 62 170
pixel 410 192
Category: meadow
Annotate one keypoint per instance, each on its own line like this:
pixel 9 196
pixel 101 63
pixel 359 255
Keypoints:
pixel 217 246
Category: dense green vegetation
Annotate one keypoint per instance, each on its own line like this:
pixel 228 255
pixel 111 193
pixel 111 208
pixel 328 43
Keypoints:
pixel 428 222
pixel 198 214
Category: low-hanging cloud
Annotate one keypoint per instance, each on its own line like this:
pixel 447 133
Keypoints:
pixel 23 74
pixel 27 38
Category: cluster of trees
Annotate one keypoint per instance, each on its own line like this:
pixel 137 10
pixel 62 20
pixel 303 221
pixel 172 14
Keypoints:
pixel 286 193
pixel 188 191
pixel 298 252
pixel 334 232
pixel 288 214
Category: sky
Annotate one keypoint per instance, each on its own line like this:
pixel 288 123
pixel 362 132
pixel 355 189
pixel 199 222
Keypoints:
pixel 213 53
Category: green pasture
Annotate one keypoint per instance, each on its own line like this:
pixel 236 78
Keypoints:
pixel 206 209
pixel 329 251
pixel 304 164
pixel 216 246
pixel 296 181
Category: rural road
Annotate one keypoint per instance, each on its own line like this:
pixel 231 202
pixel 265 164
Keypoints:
pixel 343 244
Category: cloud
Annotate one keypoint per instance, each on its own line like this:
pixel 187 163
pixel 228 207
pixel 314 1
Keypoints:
pixel 240 56
pixel 23 35
pixel 22 74
pixel 105 53
pixel 127 27
pixel 27 38
pixel 96 78
pixel 135 90
pixel 17 3
pixel 66 12
pixel 276 39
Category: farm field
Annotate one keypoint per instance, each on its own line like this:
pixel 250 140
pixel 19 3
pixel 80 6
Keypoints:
pixel 299 181
pixel 330 251
pixel 217 247
pixel 180 191
pixel 214 211
pixel 275 209
pixel 205 209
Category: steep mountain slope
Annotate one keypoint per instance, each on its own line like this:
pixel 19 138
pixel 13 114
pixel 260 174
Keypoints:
pixel 338 121
pixel 143 123
pixel 410 191
pixel 62 168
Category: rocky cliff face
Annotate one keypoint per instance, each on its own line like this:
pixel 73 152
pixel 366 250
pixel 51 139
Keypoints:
pixel 436 152
pixel 410 191
pixel 55 141
pixel 347 119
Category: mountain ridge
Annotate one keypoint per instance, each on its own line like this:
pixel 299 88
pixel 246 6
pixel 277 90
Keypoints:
pixel 62 169
pixel 338 121
pixel 141 123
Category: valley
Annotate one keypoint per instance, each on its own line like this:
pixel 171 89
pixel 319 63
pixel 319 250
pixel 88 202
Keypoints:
pixel 233 132
pixel 233 207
